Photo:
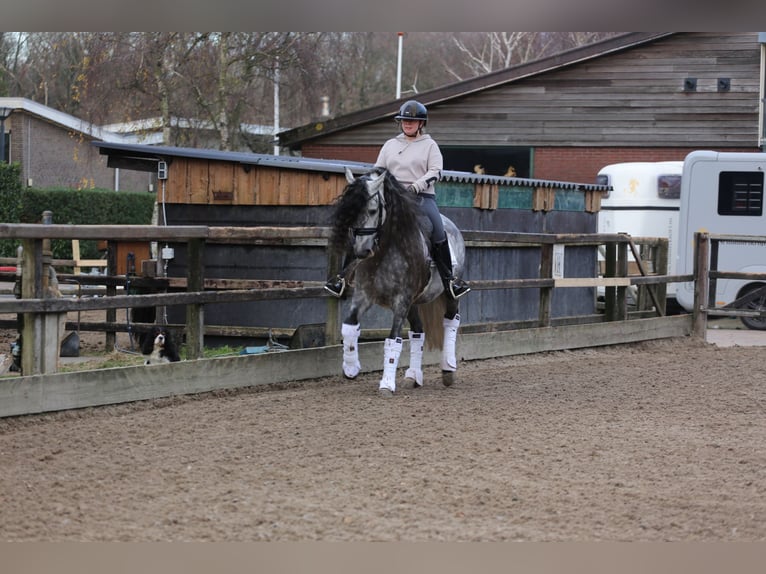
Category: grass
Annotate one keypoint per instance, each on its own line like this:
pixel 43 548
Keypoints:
pixel 125 359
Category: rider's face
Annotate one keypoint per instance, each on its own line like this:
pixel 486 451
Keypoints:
pixel 411 127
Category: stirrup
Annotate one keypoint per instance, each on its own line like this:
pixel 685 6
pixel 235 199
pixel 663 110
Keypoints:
pixel 458 288
pixel 336 285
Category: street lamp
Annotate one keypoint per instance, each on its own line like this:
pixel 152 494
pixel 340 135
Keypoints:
pixel 4 113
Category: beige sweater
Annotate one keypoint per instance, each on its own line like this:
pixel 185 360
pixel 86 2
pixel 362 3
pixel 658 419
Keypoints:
pixel 417 162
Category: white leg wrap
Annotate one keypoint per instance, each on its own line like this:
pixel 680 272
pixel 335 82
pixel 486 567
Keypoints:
pixel 415 370
pixel 351 365
pixel 449 361
pixel 393 348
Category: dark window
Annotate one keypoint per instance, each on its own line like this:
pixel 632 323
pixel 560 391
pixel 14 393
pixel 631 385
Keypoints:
pixel 740 193
pixel 493 161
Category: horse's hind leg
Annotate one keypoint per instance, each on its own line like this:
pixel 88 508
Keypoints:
pixel 449 360
pixel 413 378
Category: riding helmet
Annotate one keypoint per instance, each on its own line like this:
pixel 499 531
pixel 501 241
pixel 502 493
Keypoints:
pixel 412 110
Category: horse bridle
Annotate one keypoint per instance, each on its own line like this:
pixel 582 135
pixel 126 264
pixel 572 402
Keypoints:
pixel 362 231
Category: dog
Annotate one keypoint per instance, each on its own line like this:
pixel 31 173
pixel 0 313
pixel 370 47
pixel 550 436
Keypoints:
pixel 158 347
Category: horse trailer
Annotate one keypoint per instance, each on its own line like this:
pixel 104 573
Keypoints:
pixel 644 202
pixel 722 193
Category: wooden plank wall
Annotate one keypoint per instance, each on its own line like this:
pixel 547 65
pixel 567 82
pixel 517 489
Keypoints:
pixel 631 98
pixel 207 182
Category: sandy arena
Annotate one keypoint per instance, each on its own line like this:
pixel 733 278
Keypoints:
pixel 660 441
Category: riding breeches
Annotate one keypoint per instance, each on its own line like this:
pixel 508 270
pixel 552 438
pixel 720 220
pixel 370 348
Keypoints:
pixel 428 206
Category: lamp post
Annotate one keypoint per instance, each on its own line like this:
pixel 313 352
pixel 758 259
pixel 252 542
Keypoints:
pixel 4 113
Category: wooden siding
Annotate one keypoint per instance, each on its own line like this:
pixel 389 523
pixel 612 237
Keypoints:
pixel 632 98
pixel 194 181
pixel 211 182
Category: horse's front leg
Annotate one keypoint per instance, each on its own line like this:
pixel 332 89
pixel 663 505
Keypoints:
pixel 391 352
pixel 350 330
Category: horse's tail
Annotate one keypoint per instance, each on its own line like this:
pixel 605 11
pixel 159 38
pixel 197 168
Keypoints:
pixel 432 315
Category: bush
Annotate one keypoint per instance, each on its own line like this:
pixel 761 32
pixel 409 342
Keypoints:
pixel 71 207
pixel 10 203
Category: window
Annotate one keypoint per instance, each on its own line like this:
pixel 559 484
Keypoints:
pixel 740 193
pixel 489 160
pixel 669 186
pixel 604 179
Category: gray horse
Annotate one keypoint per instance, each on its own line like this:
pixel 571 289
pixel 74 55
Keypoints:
pixel 383 224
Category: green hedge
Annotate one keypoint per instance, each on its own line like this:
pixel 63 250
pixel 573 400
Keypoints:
pixel 68 206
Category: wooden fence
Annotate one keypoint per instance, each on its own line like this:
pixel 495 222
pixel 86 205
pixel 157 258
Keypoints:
pixel 41 311
pixel 40 389
pixel 707 271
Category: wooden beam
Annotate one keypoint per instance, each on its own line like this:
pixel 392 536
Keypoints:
pixel 592 282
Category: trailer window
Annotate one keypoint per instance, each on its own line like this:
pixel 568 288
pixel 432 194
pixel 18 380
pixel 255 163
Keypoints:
pixel 669 186
pixel 740 193
pixel 603 179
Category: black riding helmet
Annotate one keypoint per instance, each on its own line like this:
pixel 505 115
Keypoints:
pixel 412 110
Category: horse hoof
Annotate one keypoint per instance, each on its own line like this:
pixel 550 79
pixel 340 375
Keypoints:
pixel 351 372
pixel 410 384
pixel 386 393
pixel 448 378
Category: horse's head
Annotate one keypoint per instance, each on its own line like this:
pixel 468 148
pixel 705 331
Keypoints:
pixel 371 210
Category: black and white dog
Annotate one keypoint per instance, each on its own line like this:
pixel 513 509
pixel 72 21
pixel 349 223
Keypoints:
pixel 158 347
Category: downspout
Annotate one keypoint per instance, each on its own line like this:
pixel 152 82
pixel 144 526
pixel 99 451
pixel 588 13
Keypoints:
pixel 762 93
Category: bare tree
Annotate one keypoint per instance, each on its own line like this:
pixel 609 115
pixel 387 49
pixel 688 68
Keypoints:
pixel 226 80
pixel 485 52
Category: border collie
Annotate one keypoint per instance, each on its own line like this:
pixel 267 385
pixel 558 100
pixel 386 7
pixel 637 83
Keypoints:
pixel 158 347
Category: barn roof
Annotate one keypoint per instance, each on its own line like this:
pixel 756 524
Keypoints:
pixel 60 118
pixel 294 138
pixel 145 158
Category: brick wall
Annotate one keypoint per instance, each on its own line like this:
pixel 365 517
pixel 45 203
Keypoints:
pixel 582 164
pixel 366 154
pixel 53 156
pixel 578 164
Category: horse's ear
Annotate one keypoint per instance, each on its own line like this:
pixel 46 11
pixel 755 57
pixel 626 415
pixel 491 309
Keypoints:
pixel 349 176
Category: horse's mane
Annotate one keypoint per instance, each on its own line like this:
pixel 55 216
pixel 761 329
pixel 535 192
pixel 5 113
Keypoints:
pixel 403 215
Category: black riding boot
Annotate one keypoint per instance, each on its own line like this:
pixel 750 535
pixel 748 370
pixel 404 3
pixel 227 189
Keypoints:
pixel 337 284
pixel 454 286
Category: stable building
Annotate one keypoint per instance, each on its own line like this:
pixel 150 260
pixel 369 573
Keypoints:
pixel 635 97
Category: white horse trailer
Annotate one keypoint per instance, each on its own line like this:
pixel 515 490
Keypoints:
pixel 722 193
pixel 644 202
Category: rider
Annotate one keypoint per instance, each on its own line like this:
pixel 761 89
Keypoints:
pixel 415 159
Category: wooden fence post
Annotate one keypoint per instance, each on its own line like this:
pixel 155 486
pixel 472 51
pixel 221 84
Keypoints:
pixel 701 295
pixel 610 270
pixel 333 324
pixel 546 293
pixel 111 291
pixel 195 312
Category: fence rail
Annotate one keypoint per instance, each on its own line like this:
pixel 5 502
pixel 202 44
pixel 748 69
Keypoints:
pixel 40 310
